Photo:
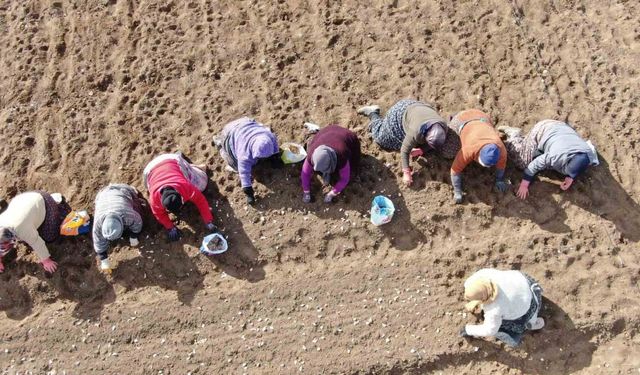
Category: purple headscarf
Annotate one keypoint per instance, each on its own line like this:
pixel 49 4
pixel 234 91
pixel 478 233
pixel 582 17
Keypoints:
pixel 434 133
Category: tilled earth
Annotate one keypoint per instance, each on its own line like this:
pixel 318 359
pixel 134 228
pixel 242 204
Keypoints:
pixel 90 91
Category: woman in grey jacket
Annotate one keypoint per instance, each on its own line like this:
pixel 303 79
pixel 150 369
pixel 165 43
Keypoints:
pixel 118 213
pixel 550 144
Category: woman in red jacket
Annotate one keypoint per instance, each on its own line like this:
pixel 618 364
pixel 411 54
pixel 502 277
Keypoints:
pixel 172 181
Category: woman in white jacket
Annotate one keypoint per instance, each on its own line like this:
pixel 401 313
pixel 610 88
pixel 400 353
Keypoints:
pixel 510 300
pixel 35 218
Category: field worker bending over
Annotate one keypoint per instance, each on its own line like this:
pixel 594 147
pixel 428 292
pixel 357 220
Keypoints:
pixel 35 218
pixel 510 300
pixel 118 213
pixel 414 128
pixel 550 144
pixel 172 181
pixel 480 142
pixel 332 150
pixel 242 144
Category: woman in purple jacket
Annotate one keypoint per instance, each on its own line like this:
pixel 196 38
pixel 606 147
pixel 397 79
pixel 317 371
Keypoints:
pixel 333 149
pixel 242 144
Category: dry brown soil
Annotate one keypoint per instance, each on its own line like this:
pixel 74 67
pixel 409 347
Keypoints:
pixel 91 90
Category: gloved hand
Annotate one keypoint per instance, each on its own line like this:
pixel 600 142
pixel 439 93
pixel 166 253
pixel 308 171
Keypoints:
pixel 407 177
pixel 501 185
pixel 457 197
pixel 566 184
pixel 456 181
pixel 248 191
pixel 49 265
pixel 105 265
pixel 523 190
pixel 306 196
pixel 416 152
pixel 174 234
pixel 211 227
pixel 463 332
pixel 329 197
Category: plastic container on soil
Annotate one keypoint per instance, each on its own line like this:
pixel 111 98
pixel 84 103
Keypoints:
pixel 214 244
pixel 382 210
pixel 292 153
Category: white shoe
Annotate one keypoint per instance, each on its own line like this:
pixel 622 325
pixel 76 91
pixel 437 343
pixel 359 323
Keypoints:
pixel 57 197
pixel 510 131
pixel 311 127
pixel 536 325
pixel 369 110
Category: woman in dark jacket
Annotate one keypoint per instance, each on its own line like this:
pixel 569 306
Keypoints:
pixel 333 149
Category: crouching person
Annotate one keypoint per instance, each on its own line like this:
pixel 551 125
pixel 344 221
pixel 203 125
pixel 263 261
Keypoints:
pixel 173 181
pixel 118 213
pixel 35 218
pixel 242 144
pixel 510 300
pixel 552 145
pixel 480 143
pixel 414 128
pixel 333 150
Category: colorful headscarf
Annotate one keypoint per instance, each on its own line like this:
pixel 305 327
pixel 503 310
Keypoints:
pixel 480 291
pixel 7 241
pixel 112 227
pixel 325 161
pixel 577 165
pixel 489 155
pixel 434 134
pixel 263 146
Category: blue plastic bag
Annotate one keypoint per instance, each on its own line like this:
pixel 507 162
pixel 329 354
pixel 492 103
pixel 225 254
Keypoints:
pixel 382 210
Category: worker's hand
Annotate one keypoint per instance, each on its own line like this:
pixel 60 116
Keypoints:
pixel 456 181
pixel 416 152
pixel 463 332
pixel 523 190
pixel 251 198
pixel 501 185
pixel 566 184
pixel 133 241
pixel 49 265
pixel 174 234
pixel 211 228
pixel 407 177
pixel 329 197
pixel 457 197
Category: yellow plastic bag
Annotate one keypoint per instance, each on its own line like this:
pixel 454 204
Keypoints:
pixel 77 222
